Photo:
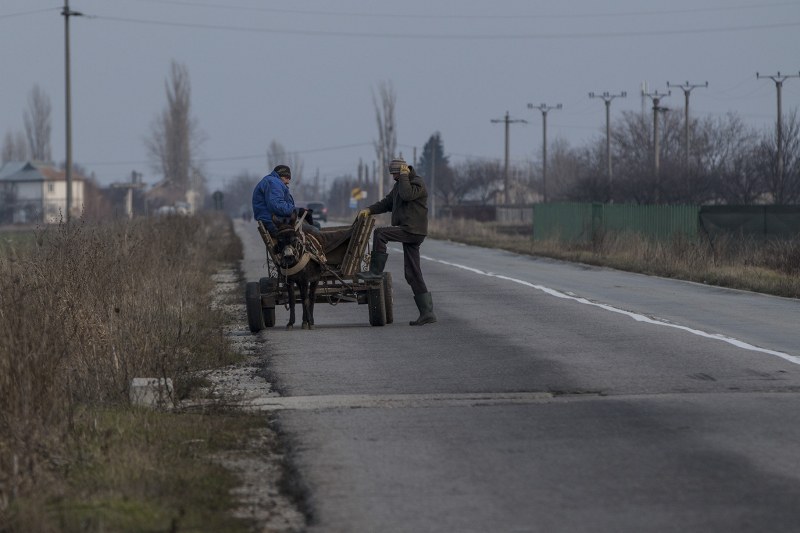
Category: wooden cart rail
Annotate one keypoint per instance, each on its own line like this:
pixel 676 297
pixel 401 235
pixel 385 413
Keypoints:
pixel 356 246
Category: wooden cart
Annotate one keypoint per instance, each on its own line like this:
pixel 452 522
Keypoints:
pixel 346 255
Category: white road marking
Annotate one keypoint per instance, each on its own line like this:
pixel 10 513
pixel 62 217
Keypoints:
pixel 636 316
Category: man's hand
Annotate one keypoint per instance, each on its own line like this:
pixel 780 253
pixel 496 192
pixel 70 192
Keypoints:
pixel 364 213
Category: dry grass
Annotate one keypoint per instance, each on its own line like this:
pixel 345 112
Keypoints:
pixel 83 309
pixel 771 267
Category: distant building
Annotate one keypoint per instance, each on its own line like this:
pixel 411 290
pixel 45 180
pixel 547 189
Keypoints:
pixel 32 192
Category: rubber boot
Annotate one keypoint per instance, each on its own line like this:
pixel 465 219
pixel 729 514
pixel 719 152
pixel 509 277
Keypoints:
pixel 425 305
pixel 376 265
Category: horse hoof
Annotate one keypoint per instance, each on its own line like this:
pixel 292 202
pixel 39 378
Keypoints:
pixel 289 326
pixel 306 326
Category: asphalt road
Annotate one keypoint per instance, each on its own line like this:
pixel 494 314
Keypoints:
pixel 548 397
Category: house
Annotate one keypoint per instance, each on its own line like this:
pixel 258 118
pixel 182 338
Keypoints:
pixel 32 192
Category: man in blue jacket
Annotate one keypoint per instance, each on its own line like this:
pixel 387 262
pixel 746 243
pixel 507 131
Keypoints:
pixel 272 197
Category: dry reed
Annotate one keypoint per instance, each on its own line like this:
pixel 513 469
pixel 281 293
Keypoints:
pixel 768 266
pixel 89 307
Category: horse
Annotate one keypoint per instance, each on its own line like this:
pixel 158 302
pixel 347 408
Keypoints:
pixel 300 262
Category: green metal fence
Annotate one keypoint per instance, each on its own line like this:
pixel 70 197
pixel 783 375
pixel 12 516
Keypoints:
pixel 758 221
pixel 576 222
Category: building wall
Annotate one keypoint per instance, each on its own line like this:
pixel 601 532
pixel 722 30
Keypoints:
pixel 54 200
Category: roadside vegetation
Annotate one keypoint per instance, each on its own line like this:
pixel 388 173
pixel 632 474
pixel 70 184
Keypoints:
pixel 770 266
pixel 83 309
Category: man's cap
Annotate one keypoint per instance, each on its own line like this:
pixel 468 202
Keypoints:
pixel 398 166
pixel 283 171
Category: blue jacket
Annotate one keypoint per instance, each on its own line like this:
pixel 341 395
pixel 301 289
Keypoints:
pixel 271 197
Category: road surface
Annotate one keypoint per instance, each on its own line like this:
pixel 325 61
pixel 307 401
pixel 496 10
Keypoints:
pixel 549 397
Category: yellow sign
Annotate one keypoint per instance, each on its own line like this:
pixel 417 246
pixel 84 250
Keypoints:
pixel 356 192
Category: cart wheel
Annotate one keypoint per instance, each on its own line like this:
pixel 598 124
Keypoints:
pixel 268 286
pixel 377 307
pixel 252 296
pixel 269 316
pixel 388 299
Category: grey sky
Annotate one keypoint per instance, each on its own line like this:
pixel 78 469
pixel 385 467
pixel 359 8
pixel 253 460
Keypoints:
pixel 303 73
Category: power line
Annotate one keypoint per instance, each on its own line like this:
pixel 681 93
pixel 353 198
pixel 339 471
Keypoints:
pixel 33 12
pixel 237 157
pixel 440 37
pixel 427 16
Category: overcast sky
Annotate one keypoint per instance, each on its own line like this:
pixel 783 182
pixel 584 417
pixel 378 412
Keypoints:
pixel 303 73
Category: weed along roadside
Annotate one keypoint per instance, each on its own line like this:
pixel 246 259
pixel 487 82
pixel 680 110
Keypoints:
pixel 770 267
pixel 84 310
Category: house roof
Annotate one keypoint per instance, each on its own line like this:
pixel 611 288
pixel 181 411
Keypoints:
pixel 32 171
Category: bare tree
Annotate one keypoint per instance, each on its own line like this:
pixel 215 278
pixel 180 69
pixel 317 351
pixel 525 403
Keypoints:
pixel 15 148
pixel 784 187
pixel 726 151
pixel 175 137
pixel 278 155
pixel 38 125
pixel 386 145
pixel 239 194
pixel 477 180
pixel 635 179
pixel 566 168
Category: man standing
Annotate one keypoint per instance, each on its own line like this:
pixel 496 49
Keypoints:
pixel 408 203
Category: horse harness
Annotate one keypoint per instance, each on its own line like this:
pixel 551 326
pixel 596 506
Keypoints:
pixel 308 247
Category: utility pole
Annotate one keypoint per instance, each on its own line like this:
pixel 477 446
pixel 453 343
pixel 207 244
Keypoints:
pixel 779 79
pixel 67 13
pixel 135 183
pixel 687 89
pixel 433 180
pixel 607 98
pixel 507 122
pixel 656 97
pixel 544 108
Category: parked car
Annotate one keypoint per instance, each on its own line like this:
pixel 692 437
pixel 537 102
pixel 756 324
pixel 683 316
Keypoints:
pixel 319 209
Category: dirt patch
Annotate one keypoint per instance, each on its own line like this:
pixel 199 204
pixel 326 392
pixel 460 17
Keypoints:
pixel 261 465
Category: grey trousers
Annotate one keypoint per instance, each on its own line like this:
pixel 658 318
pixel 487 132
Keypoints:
pixel 411 243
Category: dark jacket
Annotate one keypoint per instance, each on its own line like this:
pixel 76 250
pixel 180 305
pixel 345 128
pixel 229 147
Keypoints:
pixel 408 203
pixel 271 197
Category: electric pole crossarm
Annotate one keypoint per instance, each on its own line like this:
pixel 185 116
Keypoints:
pixel 507 121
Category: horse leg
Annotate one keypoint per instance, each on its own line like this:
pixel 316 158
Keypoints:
pixel 290 286
pixel 304 297
pixel 312 297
